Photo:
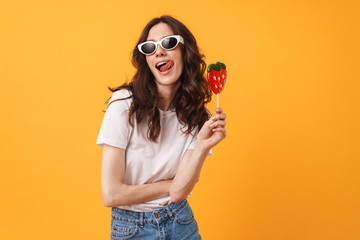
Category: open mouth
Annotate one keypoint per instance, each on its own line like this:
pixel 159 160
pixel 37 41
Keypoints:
pixel 164 66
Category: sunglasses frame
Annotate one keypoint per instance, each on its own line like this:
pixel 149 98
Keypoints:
pixel 177 37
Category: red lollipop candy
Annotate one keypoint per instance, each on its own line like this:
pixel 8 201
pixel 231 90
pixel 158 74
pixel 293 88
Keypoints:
pixel 217 77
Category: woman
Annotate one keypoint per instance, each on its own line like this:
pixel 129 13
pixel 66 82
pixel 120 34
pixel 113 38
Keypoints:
pixel 156 134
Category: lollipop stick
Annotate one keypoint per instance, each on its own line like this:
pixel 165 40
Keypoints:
pixel 217 96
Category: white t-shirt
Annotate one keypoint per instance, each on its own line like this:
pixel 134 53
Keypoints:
pixel 146 161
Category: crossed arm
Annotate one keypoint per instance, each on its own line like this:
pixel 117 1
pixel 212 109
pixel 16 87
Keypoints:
pixel 116 193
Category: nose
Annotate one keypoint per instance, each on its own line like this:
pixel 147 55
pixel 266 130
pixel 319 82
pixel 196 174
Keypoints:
pixel 160 51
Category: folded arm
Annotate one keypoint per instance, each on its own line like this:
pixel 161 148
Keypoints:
pixel 115 192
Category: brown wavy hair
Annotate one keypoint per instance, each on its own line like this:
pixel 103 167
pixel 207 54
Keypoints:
pixel 191 96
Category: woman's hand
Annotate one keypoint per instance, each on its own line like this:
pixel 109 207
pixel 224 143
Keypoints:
pixel 213 131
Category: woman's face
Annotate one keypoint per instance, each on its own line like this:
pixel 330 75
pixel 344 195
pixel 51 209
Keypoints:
pixel 168 75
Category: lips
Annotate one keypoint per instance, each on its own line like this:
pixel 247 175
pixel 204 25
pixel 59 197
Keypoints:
pixel 164 66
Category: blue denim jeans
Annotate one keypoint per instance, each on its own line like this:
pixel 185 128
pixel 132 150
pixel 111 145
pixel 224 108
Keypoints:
pixel 175 221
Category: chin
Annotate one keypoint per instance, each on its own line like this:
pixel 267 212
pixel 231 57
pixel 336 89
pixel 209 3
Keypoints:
pixel 166 81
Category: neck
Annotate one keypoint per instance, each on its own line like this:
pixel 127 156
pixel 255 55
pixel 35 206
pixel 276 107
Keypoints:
pixel 166 95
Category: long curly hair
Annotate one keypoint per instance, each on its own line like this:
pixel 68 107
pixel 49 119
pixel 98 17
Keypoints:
pixel 191 96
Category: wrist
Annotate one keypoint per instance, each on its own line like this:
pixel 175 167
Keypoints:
pixel 166 185
pixel 201 149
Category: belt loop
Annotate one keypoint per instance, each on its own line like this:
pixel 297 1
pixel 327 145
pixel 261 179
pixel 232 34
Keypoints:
pixel 141 219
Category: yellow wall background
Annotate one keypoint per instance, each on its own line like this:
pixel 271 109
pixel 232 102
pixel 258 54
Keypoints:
pixel 289 168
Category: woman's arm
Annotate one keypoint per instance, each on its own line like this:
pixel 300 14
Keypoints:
pixel 188 173
pixel 115 192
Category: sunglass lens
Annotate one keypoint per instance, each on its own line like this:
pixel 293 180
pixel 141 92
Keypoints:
pixel 148 48
pixel 169 43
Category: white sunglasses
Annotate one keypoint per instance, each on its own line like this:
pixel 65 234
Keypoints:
pixel 167 43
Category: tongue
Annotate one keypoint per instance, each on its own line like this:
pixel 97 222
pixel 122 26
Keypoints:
pixel 166 66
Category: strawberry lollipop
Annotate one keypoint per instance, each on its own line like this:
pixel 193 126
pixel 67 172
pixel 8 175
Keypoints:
pixel 217 77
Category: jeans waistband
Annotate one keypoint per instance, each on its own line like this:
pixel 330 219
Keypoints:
pixel 149 217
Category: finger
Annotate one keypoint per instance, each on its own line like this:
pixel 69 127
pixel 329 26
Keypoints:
pixel 221 116
pixel 218 110
pixel 222 131
pixel 209 122
pixel 206 129
pixel 218 123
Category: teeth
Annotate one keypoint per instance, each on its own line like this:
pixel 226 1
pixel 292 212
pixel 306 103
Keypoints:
pixel 160 63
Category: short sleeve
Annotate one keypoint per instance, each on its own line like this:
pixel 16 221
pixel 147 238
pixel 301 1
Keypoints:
pixel 115 128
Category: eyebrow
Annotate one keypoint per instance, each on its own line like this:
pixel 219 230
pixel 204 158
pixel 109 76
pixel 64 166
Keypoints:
pixel 161 38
